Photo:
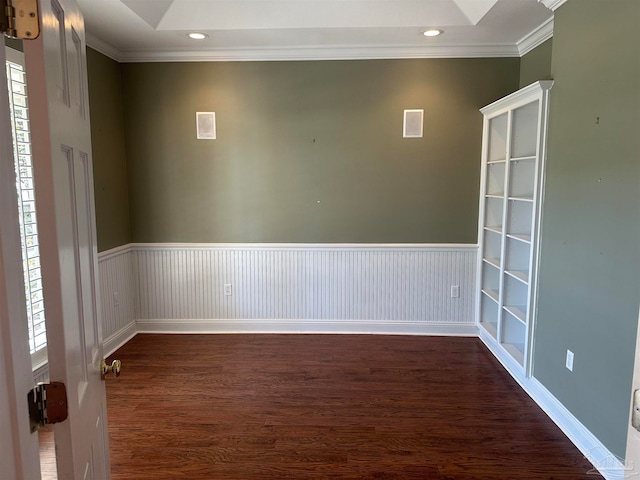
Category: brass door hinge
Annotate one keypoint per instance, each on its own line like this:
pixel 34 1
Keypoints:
pixel 47 404
pixel 20 19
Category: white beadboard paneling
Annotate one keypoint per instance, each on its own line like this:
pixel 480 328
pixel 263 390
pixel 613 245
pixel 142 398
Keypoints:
pixel 311 284
pixel 117 275
pixel 41 374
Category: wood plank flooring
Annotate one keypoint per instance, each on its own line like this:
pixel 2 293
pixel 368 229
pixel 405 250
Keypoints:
pixel 48 469
pixel 247 407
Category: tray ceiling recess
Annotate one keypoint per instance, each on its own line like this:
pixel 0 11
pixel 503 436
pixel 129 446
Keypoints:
pixel 157 30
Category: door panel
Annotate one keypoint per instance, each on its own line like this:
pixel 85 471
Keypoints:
pixel 56 78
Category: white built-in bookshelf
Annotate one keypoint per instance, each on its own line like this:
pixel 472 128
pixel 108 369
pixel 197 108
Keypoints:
pixel 513 155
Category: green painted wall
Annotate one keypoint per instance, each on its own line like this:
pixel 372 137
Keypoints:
pixel 536 64
pixel 308 151
pixel 109 156
pixel 590 261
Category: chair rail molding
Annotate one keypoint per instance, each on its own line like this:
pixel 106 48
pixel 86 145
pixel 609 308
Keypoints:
pixel 553 4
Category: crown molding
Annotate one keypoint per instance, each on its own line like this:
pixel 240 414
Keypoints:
pixel 536 37
pixel 553 4
pixel 527 43
pixel 517 96
pixel 320 53
pixel 103 47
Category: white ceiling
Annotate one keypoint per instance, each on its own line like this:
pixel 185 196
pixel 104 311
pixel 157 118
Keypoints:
pixel 156 30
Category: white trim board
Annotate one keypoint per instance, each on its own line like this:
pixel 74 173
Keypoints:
pixel 256 54
pixel 119 338
pixel 553 4
pixel 535 38
pixel 289 326
pixel 394 247
pixel 338 52
pixel 607 464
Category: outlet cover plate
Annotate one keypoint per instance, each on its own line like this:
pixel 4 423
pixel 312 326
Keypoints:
pixel 569 363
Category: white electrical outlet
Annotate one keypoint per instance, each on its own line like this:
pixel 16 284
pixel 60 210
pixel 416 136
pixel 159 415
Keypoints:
pixel 455 291
pixel 569 363
pixel 116 299
pixel 227 289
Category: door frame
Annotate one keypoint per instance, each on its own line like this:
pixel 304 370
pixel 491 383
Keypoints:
pixel 632 457
pixel 20 459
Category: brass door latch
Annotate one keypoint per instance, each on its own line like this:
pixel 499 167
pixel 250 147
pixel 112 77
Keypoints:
pixel 114 368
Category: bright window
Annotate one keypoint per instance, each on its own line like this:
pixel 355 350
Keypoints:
pixel 26 204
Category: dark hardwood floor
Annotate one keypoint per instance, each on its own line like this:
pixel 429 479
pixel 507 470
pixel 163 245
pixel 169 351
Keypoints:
pixel 247 407
pixel 47 453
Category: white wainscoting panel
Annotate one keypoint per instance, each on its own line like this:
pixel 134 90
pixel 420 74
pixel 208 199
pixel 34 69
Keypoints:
pixel 41 374
pixel 301 287
pixel 117 297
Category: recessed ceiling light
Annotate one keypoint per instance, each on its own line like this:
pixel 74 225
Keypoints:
pixel 432 32
pixel 198 36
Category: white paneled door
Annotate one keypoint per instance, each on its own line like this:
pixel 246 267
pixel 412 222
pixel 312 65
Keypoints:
pixel 61 142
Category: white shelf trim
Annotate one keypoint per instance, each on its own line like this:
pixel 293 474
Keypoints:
pixel 520 238
pixel 524 158
pixel 519 275
pixel 521 199
pixel 516 99
pixel 494 229
pixel 493 262
pixel 515 350
pixel 490 328
pixel 492 294
pixel 517 312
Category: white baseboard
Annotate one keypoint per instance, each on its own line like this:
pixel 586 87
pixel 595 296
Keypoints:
pixel 303 326
pixel 605 462
pixel 119 338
